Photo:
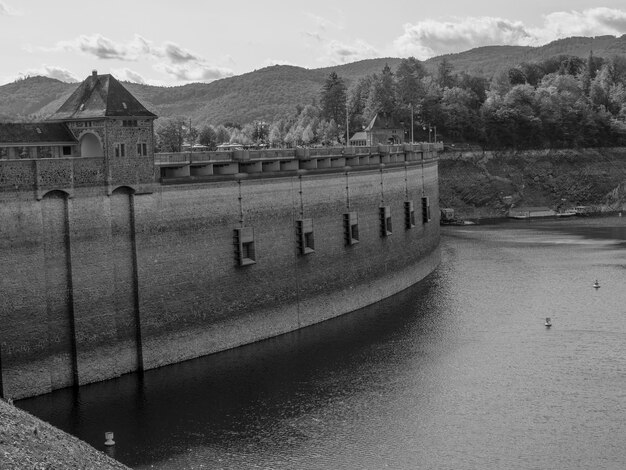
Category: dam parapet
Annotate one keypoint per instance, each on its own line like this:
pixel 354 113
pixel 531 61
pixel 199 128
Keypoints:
pixel 178 167
pixel 43 174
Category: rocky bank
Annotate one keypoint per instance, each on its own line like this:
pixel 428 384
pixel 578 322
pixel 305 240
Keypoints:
pixel 487 183
pixel 27 442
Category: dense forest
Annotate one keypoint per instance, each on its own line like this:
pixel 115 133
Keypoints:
pixel 562 101
pixel 555 95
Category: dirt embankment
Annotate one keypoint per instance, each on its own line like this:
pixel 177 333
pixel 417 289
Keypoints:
pixel 486 184
pixel 27 442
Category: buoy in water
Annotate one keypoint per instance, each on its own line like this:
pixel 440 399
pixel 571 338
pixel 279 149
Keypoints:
pixel 108 436
pixel 596 284
pixel 548 322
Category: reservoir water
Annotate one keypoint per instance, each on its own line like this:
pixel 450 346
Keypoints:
pixel 458 372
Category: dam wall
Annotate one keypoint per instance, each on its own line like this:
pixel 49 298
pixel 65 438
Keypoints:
pixel 99 280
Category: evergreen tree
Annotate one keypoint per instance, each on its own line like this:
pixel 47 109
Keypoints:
pixel 382 95
pixel 409 81
pixel 333 99
pixel 445 78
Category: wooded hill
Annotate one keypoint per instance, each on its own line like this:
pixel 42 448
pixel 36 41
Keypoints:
pixel 275 91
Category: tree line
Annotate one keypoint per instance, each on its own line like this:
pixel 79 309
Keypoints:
pixel 563 101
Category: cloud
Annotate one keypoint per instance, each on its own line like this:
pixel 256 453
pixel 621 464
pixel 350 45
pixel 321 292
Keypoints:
pixel 105 48
pixel 195 72
pixel 590 22
pixel 321 27
pixel 51 71
pixel 128 75
pixel 430 37
pixel 139 47
pixel 337 52
pixel 324 23
pixel 177 62
pixel 313 35
pixel 6 10
pixel 178 55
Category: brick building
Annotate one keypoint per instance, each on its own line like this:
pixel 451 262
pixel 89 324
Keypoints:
pixel 382 129
pixel 100 119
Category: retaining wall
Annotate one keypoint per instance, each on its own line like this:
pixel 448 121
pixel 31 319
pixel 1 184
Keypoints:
pixel 99 285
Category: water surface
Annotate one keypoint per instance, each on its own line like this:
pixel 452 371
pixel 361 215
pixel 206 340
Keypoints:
pixel 456 372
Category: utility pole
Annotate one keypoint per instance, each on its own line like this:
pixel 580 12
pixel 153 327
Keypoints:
pixel 347 127
pixel 412 124
pixel 189 139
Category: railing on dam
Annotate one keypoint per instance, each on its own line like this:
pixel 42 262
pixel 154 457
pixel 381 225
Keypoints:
pixel 175 167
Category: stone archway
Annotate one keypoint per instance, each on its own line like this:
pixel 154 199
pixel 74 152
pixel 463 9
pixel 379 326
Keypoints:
pixel 90 145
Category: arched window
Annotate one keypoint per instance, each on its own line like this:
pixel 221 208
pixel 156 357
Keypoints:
pixel 90 146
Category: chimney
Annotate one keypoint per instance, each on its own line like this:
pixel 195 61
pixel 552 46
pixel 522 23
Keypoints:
pixel 94 73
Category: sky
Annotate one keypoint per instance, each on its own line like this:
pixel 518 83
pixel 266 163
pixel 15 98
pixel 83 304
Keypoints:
pixel 166 42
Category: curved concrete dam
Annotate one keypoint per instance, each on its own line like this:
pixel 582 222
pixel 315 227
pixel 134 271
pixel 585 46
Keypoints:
pixel 103 279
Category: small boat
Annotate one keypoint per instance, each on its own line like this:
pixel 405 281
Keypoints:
pixel 548 322
pixel 596 284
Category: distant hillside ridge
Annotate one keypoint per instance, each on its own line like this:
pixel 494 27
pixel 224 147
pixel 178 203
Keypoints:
pixel 275 91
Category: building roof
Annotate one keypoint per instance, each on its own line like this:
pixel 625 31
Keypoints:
pixel 382 121
pixel 100 96
pixel 362 135
pixel 35 133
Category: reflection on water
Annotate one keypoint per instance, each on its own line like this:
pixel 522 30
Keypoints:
pixel 457 372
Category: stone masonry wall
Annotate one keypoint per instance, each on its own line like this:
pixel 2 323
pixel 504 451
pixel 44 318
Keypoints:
pixel 152 278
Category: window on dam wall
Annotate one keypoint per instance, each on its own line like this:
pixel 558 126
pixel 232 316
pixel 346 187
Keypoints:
pixel 384 213
pixel 425 209
pixel 351 228
pixel 244 246
pixel 304 234
pixel 409 215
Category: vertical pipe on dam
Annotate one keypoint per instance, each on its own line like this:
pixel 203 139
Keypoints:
pixel 58 290
pixel 1 386
pixel 125 281
pixel 133 236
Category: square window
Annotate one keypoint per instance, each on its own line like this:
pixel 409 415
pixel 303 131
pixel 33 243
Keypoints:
pixel 305 238
pixel 67 150
pixel 425 209
pixel 245 253
pixel 384 213
pixel 120 150
pixel 351 228
pixel 409 215
pixel 142 149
